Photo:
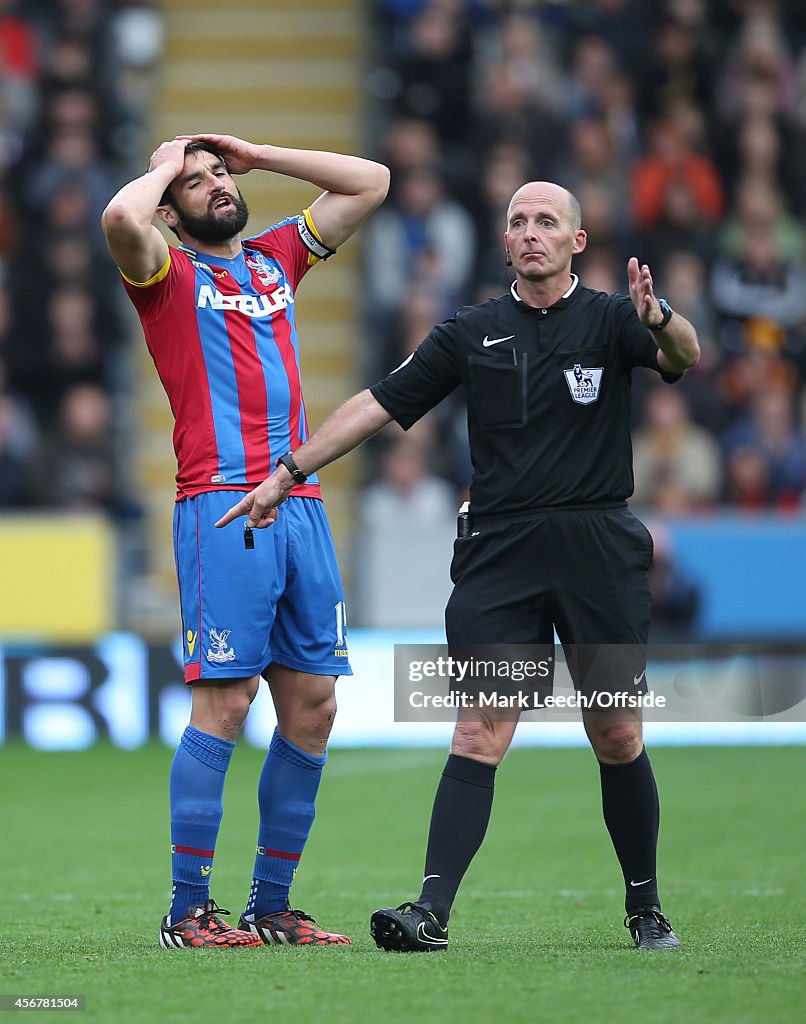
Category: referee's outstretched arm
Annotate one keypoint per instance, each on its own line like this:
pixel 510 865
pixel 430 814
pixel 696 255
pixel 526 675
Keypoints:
pixel 679 348
pixel 359 418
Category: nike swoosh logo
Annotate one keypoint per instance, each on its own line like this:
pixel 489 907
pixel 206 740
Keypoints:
pixel 430 876
pixel 496 341
pixel 635 884
pixel 206 871
pixel 637 679
pixel 423 935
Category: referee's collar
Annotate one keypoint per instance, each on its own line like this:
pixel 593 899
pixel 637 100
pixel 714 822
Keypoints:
pixel 561 303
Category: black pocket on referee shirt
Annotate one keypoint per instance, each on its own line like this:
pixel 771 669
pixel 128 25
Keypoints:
pixel 498 390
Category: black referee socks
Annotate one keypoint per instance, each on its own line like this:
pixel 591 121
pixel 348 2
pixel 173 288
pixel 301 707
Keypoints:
pixel 632 815
pixel 458 825
pixel 461 814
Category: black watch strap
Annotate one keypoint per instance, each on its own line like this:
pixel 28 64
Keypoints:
pixel 667 311
pixel 297 475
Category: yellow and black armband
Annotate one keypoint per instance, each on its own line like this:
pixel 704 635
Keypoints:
pixel 310 237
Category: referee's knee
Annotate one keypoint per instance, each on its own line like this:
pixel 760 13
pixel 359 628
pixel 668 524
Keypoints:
pixel 480 741
pixel 616 742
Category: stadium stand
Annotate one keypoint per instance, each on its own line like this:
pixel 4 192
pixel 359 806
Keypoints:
pixel 681 126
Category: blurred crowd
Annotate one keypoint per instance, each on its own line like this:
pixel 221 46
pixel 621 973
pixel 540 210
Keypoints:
pixel 72 107
pixel 681 127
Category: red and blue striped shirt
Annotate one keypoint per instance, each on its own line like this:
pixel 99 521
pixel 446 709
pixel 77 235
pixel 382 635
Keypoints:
pixel 223 338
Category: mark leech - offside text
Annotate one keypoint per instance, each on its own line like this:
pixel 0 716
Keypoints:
pixel 534 701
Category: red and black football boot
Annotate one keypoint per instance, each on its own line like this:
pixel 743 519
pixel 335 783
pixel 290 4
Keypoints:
pixel 203 927
pixel 292 928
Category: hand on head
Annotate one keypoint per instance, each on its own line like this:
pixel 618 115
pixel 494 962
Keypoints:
pixel 240 156
pixel 172 152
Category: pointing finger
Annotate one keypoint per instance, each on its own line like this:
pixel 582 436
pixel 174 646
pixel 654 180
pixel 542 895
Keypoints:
pixel 233 513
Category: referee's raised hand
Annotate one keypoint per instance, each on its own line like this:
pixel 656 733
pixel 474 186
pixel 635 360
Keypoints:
pixel 641 293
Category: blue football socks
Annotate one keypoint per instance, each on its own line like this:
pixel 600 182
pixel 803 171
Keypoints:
pixel 286 798
pixel 197 778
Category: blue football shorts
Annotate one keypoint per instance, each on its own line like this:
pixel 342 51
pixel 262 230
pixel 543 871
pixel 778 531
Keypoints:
pixel 242 609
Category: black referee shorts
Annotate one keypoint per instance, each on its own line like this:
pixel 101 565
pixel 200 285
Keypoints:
pixel 579 571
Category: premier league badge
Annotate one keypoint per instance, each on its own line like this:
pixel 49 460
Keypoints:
pixel 584 382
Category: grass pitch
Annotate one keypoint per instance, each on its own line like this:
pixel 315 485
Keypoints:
pixel 536 932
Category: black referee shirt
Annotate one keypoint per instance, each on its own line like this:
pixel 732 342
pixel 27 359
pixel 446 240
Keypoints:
pixel 548 396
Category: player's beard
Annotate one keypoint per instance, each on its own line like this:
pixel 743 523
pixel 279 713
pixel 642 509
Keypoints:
pixel 212 226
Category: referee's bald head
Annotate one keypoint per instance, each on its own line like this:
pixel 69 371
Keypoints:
pixel 548 191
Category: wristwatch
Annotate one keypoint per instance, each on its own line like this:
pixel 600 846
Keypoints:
pixel 667 311
pixel 297 475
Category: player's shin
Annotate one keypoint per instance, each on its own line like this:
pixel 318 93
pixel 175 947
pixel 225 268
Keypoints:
pixel 287 797
pixel 197 778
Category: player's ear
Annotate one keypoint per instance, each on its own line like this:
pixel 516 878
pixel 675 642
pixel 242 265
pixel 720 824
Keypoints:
pixel 580 241
pixel 167 214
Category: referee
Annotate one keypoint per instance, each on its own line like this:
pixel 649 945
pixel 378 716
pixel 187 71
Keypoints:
pixel 546 369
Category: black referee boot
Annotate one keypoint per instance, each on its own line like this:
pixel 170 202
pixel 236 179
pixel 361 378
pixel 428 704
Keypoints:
pixel 411 928
pixel 650 929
